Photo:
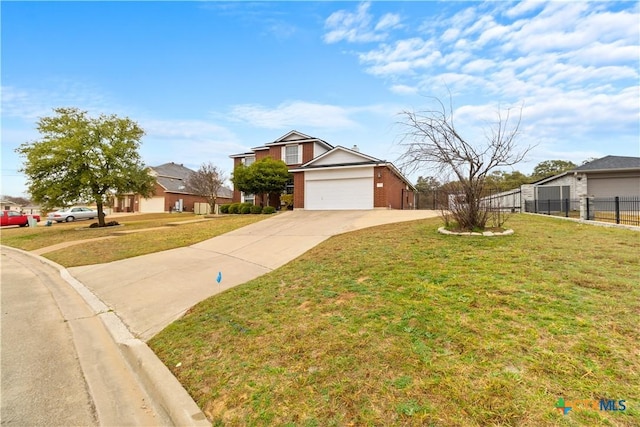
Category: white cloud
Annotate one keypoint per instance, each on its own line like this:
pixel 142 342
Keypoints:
pixel 523 7
pixel 190 142
pixel 388 21
pixel 294 114
pixel 358 26
pixel 404 89
pixel 30 104
pixel 575 65
pixel 404 56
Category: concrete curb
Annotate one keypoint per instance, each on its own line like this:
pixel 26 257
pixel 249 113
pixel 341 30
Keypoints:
pixel 156 379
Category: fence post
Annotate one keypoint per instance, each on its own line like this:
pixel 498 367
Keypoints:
pixel 566 208
pixel 549 207
pixel 617 203
pixel 586 199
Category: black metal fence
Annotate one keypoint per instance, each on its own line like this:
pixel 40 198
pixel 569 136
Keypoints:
pixel 619 210
pixel 432 200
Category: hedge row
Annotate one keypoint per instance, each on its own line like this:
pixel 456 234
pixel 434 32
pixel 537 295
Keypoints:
pixel 246 208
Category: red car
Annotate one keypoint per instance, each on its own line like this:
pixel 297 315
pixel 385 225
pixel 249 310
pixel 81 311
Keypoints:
pixel 16 218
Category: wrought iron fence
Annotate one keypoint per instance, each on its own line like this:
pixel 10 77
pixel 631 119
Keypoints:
pixel 620 210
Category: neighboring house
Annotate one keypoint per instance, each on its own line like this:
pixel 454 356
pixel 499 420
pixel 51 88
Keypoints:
pixel 170 193
pixel 8 205
pixel 609 176
pixel 331 178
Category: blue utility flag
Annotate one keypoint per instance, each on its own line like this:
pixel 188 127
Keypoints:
pixel 219 278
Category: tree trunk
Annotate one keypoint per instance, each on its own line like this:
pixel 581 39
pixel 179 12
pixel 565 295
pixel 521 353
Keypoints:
pixel 212 205
pixel 100 207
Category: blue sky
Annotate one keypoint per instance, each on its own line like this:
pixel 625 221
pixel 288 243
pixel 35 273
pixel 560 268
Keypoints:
pixel 210 79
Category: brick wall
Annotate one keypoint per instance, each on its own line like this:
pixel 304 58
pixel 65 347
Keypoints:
pixel 380 193
pixel 307 152
pixel 391 193
pixel 298 190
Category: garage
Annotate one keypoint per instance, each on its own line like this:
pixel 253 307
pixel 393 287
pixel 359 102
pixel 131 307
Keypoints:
pixel 608 186
pixel 346 189
pixel 154 204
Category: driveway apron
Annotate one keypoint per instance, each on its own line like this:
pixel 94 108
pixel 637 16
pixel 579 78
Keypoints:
pixel 151 291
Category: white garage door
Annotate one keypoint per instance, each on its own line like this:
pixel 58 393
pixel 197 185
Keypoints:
pixel 154 204
pixel 339 190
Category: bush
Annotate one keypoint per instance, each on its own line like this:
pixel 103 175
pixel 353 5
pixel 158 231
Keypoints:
pixel 255 209
pixel 267 210
pixel 224 209
pixel 245 209
pixel 287 201
pixel 234 208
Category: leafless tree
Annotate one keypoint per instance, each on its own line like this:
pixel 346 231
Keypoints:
pixel 207 182
pixel 431 141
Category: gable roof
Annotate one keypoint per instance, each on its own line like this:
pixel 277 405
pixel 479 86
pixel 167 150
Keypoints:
pixel 349 158
pixel 173 177
pixel 293 135
pixel 610 163
pixel 342 156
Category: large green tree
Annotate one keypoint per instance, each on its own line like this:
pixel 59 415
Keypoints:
pixel 83 158
pixel 262 177
pixel 550 168
pixel 498 181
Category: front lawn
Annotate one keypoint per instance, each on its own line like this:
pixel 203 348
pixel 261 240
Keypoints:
pixel 400 325
pixel 124 246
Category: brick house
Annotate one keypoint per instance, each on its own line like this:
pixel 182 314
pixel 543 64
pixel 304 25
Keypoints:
pixel 331 178
pixel 170 193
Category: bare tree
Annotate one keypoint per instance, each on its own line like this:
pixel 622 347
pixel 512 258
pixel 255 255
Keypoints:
pixel 207 182
pixel 431 141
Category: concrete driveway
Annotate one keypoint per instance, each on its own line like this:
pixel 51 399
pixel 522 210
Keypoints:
pixel 151 291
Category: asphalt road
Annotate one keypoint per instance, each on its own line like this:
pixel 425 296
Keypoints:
pixel 59 365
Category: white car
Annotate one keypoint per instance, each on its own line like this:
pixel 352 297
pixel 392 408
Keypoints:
pixel 72 213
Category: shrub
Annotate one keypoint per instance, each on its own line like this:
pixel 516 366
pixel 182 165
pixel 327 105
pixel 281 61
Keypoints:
pixel 256 209
pixel 234 208
pixel 246 209
pixel 267 210
pixel 287 201
pixel 224 209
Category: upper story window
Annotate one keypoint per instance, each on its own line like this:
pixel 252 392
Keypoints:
pixel 249 160
pixel 291 154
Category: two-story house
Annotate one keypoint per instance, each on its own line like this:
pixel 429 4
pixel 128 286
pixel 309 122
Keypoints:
pixel 331 178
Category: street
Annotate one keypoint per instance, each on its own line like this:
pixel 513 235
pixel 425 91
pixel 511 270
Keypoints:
pixel 42 382
pixel 59 366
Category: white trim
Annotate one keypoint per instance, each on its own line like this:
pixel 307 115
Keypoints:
pixel 341 148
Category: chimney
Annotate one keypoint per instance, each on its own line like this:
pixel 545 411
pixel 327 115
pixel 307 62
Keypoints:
pixel 355 148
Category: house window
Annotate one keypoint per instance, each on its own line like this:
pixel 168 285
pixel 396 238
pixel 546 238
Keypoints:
pixel 248 198
pixel 249 160
pixel 291 154
pixel 289 189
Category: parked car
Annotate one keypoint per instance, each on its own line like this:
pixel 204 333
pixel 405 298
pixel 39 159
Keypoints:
pixel 16 218
pixel 72 213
